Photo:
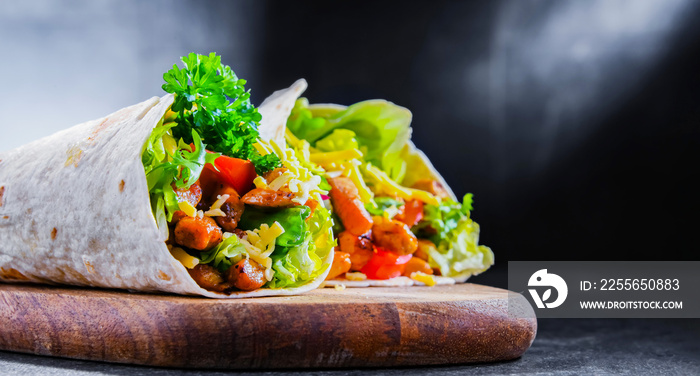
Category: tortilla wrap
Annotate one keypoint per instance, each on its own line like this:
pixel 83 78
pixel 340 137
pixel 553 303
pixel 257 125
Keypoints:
pixel 75 210
pixel 275 110
pixel 401 281
pixel 417 163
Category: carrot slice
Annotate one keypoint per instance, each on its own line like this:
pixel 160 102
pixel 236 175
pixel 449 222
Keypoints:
pixel 412 213
pixel 347 204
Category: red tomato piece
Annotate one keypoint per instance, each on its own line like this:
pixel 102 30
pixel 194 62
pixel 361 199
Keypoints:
pixel 385 265
pixel 238 173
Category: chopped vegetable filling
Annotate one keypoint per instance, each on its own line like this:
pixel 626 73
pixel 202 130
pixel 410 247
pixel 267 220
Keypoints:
pixel 396 220
pixel 204 163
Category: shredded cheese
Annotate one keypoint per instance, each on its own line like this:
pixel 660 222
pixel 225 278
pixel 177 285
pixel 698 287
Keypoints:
pixel 260 182
pixel 427 279
pixel 357 276
pixel 324 159
pixel 260 243
pixel 262 148
pixel 215 208
pixel 264 237
pixel 220 200
pixel 215 213
pixel 281 181
pixel 299 180
pixel 353 172
pixel 185 259
pixel 291 138
pixel 187 208
pixel 391 187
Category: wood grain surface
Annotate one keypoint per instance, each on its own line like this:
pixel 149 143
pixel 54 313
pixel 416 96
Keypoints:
pixel 372 327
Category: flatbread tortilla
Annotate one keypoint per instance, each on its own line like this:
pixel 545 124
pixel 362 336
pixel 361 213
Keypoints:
pixel 275 111
pixel 75 210
pixel 400 281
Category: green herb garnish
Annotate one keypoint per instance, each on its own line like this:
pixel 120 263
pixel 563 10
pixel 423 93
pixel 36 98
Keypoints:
pixel 212 100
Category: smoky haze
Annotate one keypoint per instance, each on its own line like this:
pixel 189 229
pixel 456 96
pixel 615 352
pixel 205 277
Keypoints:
pixel 65 62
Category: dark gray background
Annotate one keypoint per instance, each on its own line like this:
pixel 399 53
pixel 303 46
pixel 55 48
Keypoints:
pixel 575 124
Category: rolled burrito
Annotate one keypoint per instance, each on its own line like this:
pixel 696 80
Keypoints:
pixel 176 194
pixel 398 223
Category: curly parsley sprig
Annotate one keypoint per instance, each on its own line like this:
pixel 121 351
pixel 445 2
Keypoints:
pixel 212 100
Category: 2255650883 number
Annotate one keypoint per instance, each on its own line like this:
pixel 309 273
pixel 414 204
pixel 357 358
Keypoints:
pixel 643 284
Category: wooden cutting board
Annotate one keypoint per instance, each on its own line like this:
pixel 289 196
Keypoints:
pixel 371 327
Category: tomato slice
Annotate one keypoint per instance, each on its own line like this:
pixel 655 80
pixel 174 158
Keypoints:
pixel 385 265
pixel 238 173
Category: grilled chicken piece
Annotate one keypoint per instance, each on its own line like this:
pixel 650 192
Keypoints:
pixel 267 198
pixel 232 208
pixel 208 278
pixel 358 247
pixel 197 233
pixel 209 181
pixel 270 176
pixel 192 195
pixel 432 186
pixel 347 204
pixel 393 236
pixel 423 251
pixel 247 275
pixel 341 264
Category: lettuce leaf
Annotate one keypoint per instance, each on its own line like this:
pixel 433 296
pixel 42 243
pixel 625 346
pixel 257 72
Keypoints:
pixel 440 220
pixel 163 169
pixel 226 253
pixel 340 139
pixel 384 205
pixel 459 253
pixel 381 129
pixel 293 220
pixel 297 265
pixel 456 236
